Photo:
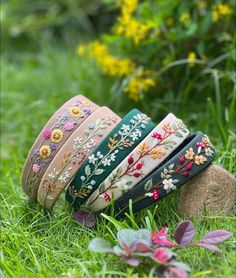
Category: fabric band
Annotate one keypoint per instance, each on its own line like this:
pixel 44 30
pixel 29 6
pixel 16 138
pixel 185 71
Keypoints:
pixel 147 156
pixel 115 147
pixel 56 132
pixel 73 153
pixel 189 159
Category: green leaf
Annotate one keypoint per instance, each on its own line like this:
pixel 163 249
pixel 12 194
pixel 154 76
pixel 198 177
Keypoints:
pixel 148 186
pixel 178 134
pixel 87 170
pixel 98 172
pixel 100 245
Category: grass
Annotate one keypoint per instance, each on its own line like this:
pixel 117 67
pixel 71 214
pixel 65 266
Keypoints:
pixel 36 244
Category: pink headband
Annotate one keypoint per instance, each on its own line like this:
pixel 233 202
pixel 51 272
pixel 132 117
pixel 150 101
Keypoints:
pixel 73 153
pixel 147 156
pixel 56 132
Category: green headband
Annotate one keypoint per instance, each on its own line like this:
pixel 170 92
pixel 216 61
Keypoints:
pixel 132 129
pixel 189 159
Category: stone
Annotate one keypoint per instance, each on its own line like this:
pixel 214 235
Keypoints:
pixel 212 191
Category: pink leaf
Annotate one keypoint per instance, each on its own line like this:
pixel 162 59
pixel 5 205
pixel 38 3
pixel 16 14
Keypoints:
pixel 184 233
pixel 142 246
pixel 177 273
pixel 208 246
pixel 216 236
pixel 85 218
pixel 131 261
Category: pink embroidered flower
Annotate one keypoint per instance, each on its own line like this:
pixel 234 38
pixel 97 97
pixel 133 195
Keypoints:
pixel 161 255
pixel 136 174
pixel 139 166
pixel 200 144
pixel 36 168
pixel 155 195
pixel 47 133
pixel 107 197
pixel 189 166
pixel 130 160
pixel 69 126
pixel 157 135
pixel 160 238
pixel 181 159
pixel 186 173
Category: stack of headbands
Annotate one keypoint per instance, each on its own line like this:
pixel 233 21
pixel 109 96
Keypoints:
pixel 99 159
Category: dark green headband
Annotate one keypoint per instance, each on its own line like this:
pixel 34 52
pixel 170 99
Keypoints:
pixel 190 158
pixel 132 129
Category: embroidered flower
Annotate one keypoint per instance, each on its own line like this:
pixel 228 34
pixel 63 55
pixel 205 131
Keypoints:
pixel 75 111
pixel 209 152
pixel 107 197
pixel 200 159
pixel 63 178
pixel 69 126
pixel 106 162
pixel 189 154
pixel 181 159
pixel 47 133
pixel 93 182
pixel 36 151
pixel 53 146
pixel 45 151
pixel 189 166
pixel 157 135
pixel 99 155
pixel 135 135
pixel 85 103
pixel 124 130
pixel 143 148
pixel 36 168
pixel 161 255
pixel 91 126
pixel 157 153
pixel 155 194
pixel 53 175
pixel 92 159
pixel 123 185
pixel 130 159
pixel 77 143
pixel 56 135
pixel 167 128
pixel 87 111
pixel 168 184
pixel 113 157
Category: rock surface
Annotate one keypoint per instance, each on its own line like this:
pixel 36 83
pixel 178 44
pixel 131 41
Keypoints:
pixel 213 190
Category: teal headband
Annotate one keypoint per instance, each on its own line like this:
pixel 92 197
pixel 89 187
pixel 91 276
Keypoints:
pixel 189 159
pixel 132 129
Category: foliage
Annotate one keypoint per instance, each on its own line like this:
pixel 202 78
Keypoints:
pixel 169 53
pixel 137 245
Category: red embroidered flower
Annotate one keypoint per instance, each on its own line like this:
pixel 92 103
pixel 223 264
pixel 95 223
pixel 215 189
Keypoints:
pixel 136 174
pixel 186 173
pixel 107 197
pixel 160 238
pixel 181 159
pixel 157 135
pixel 189 166
pixel 139 166
pixel 156 194
pixel 47 133
pixel 200 144
pixel 161 255
pixel 130 160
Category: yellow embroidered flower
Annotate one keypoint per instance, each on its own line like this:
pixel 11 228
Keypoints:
pixel 191 58
pixel 56 135
pixel 45 151
pixel 189 154
pixel 157 153
pixel 143 148
pixel 75 111
pixel 200 159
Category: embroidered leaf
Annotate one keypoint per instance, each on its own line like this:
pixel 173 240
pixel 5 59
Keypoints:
pixel 143 148
pixel 98 171
pixel 171 166
pixel 87 170
pixel 178 134
pixel 157 153
pixel 148 186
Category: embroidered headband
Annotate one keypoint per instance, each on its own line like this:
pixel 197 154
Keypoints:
pixel 56 132
pixel 147 156
pixel 194 155
pixel 73 153
pixel 115 147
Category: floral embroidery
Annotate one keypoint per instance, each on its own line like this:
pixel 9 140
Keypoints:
pixel 56 135
pixel 45 151
pixel 168 184
pixel 97 163
pixel 69 126
pixel 47 133
pixel 134 168
pixel 53 146
pixel 87 144
pixel 75 111
pixel 36 168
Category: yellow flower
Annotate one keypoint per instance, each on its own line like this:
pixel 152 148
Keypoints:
pixel 45 151
pixel 81 50
pixel 185 17
pixel 224 9
pixel 215 16
pixel 191 58
pixel 128 7
pixel 56 135
pixel 200 159
pixel 157 153
pixel 189 154
pixel 75 111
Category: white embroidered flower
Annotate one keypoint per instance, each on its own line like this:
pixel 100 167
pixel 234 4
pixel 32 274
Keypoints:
pixel 136 134
pixel 77 143
pixel 106 162
pixel 124 130
pixel 99 155
pixel 92 159
pixel 63 178
pixel 90 187
pixel 82 178
pixel 168 184
pixel 93 182
pixel 112 157
pixel 53 175
pixel 123 185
